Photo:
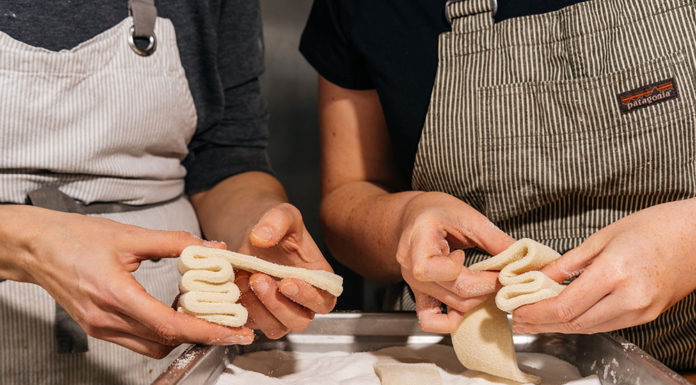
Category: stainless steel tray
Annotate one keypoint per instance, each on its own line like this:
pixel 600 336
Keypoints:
pixel 613 360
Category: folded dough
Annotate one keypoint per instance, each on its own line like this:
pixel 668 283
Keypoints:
pixel 393 373
pixel 522 284
pixel 208 285
pixel 483 341
pixel 318 278
pixel 208 289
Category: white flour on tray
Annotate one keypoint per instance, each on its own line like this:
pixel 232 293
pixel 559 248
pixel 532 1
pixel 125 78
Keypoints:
pixel 298 368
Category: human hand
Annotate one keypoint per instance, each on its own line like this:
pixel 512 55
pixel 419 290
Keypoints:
pixel 629 273
pixel 290 304
pixel 432 225
pixel 85 263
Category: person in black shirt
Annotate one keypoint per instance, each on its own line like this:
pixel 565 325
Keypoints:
pixel 536 117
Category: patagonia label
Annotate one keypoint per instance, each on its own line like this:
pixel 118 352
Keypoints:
pixel 647 96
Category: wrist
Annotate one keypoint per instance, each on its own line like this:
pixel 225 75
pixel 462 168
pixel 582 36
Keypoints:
pixel 18 237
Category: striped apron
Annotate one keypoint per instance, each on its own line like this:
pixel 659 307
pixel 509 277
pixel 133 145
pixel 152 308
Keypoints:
pixel 108 127
pixel 556 125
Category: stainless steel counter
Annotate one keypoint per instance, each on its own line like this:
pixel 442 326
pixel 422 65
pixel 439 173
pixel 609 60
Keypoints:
pixel 615 362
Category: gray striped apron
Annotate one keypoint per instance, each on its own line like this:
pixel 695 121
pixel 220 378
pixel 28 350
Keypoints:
pixel 99 129
pixel 556 125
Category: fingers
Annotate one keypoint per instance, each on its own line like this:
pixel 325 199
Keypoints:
pixel 138 345
pixel 441 294
pixel 430 316
pixel 483 233
pixel 259 316
pixel 576 299
pixel 316 300
pixel 571 264
pixel 175 327
pixel 469 284
pixel 290 314
pixel 608 314
pixel 163 244
pixel 431 260
pixel 275 224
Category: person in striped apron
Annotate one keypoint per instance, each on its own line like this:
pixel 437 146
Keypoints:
pixel 568 123
pixel 94 130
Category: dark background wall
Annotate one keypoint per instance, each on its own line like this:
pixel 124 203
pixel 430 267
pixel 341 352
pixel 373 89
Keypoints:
pixel 289 86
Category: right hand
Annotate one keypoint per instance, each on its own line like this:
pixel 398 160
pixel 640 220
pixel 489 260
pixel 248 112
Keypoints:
pixel 432 225
pixel 85 263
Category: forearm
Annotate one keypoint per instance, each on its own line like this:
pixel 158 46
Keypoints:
pixel 228 211
pixel 360 223
pixel 21 224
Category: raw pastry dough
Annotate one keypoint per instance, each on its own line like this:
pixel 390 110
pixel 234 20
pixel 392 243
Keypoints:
pixel 522 283
pixel 483 341
pixel 318 278
pixel 209 291
pixel 393 373
pixel 208 285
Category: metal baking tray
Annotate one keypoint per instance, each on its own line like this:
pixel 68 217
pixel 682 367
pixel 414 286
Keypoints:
pixel 614 360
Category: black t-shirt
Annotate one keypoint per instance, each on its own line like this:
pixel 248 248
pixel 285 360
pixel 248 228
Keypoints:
pixel 391 46
pixel 221 51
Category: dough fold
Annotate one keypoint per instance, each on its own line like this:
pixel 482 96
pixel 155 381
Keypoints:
pixel 483 340
pixel 208 287
pixel 318 278
pixel 396 373
pixel 522 283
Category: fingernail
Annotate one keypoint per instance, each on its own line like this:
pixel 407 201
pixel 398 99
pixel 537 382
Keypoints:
pixel 237 340
pixel 259 287
pixel 213 243
pixel 290 289
pixel 263 233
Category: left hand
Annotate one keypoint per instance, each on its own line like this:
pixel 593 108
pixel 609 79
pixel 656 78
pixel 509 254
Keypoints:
pixel 290 304
pixel 631 271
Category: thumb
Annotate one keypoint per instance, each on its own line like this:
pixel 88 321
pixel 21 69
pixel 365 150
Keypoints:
pixel 276 224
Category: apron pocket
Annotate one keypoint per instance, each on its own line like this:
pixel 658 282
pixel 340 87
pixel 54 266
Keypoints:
pixel 626 136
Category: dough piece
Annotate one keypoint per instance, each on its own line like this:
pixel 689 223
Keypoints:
pixel 391 373
pixel 483 341
pixel 522 284
pixel 322 279
pixel 214 307
pixel 208 285
pixel 209 291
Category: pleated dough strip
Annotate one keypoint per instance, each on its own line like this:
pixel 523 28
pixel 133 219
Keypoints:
pixel 215 307
pixel 483 340
pixel 324 280
pixel 522 283
pixel 209 291
pixel 206 273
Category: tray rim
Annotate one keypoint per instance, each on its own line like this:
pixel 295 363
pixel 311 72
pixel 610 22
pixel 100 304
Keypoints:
pixel 215 358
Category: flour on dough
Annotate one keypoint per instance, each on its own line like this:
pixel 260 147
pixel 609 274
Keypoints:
pixel 393 373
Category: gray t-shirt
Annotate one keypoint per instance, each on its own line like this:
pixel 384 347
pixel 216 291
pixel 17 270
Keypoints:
pixel 221 48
